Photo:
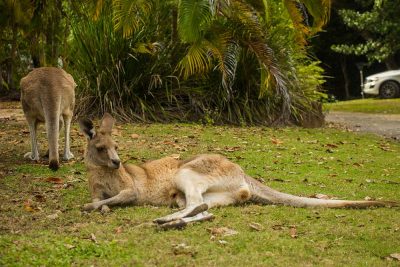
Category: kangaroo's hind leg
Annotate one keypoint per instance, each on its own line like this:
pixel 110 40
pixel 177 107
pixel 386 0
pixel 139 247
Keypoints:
pixel 67 126
pixel 193 185
pixel 34 154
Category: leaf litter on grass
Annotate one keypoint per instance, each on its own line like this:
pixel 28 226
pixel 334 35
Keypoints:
pixel 331 225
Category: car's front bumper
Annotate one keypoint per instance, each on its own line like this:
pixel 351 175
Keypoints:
pixel 371 88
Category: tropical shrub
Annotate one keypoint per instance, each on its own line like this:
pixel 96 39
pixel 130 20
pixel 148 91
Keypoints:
pixel 215 61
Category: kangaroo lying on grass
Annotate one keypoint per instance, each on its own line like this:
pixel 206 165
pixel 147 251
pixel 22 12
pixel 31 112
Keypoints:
pixel 196 184
pixel 47 95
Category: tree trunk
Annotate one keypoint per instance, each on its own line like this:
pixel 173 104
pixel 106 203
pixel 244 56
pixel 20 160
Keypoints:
pixel 391 63
pixel 12 57
pixel 343 65
pixel 1 79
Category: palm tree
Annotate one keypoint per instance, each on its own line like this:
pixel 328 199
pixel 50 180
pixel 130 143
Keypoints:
pixel 219 29
pixel 231 36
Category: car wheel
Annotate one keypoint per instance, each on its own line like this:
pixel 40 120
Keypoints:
pixel 389 89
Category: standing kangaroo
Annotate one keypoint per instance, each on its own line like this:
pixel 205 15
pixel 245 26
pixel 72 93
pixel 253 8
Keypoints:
pixel 47 95
pixel 196 184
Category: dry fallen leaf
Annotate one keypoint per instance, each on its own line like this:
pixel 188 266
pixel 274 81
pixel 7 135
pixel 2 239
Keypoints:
pixel 395 256
pixel 54 215
pixel 54 180
pixel 135 136
pixel 118 230
pixel 93 238
pixel 222 231
pixel 222 242
pixel 331 145
pixel 183 249
pixel 256 226
pixel 277 227
pixel 232 149
pixel 276 141
pixel 40 198
pixel 293 232
pixel 358 164
pixel 30 207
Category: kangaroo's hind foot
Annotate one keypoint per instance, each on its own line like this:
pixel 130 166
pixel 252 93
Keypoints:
pixel 180 223
pixel 187 212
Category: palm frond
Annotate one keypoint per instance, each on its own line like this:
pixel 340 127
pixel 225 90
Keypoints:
pixel 193 17
pixel 128 15
pixel 249 32
pixel 298 20
pixel 320 11
pixel 225 50
pixel 196 61
pixel 97 10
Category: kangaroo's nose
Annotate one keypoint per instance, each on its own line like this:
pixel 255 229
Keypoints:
pixel 116 162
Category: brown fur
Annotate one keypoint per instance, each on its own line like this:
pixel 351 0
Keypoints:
pixel 196 184
pixel 47 96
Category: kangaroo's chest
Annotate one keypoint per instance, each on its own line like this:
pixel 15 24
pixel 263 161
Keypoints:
pixel 107 186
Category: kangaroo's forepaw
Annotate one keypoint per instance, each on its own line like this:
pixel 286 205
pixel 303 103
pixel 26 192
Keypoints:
pixel 68 156
pixel 31 156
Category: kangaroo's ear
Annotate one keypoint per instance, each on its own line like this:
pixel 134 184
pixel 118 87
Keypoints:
pixel 87 128
pixel 107 123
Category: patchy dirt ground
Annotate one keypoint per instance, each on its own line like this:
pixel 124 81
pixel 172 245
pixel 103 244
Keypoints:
pixel 387 125
pixel 382 124
pixel 11 111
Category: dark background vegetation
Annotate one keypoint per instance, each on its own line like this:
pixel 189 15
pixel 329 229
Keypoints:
pixel 341 68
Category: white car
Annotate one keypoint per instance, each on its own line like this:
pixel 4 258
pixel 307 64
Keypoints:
pixel 385 84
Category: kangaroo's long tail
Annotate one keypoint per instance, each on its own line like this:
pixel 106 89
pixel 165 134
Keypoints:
pixel 263 194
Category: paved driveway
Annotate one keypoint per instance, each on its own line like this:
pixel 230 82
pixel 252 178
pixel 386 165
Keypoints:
pixel 381 124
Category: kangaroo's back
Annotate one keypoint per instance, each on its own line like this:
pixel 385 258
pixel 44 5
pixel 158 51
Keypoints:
pixel 47 89
pixel 48 95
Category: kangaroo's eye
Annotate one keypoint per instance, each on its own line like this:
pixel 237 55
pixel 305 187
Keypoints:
pixel 116 147
pixel 101 149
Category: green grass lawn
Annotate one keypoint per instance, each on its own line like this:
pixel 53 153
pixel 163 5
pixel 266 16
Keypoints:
pixel 369 105
pixel 42 223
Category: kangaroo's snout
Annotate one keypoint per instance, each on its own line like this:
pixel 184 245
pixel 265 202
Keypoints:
pixel 116 163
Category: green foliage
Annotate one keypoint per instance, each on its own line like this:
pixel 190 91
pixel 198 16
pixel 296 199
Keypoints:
pixel 380 27
pixel 115 73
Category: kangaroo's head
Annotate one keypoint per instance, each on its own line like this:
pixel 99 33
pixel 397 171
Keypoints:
pixel 101 149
